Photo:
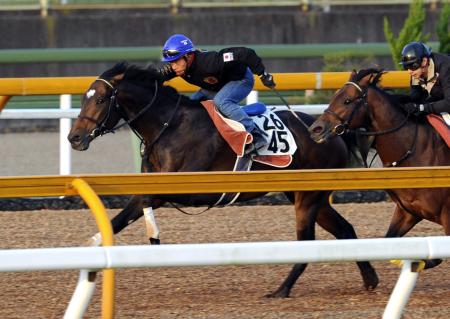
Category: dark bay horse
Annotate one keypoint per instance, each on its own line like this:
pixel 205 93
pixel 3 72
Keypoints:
pixel 400 140
pixel 179 136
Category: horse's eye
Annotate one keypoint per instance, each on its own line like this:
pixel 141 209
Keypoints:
pixel 100 100
pixel 347 101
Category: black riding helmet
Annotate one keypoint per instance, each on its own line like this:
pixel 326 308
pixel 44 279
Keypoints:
pixel 412 55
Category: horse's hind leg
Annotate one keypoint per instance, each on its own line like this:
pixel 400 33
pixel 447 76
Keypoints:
pixel 330 220
pixel 306 210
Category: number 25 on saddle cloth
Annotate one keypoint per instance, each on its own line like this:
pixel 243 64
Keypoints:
pixel 440 126
pixel 281 146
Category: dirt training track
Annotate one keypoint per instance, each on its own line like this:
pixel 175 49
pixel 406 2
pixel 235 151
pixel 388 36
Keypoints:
pixel 325 290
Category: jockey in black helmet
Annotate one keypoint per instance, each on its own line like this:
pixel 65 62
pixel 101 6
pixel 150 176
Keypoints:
pixel 430 79
pixel 225 76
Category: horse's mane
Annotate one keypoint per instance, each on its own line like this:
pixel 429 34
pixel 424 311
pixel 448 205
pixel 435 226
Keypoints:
pixel 145 78
pixel 373 72
pixel 376 74
pixel 118 68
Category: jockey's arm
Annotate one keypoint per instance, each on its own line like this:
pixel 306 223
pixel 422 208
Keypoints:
pixel 247 57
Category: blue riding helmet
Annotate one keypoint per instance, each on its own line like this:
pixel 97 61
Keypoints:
pixel 177 46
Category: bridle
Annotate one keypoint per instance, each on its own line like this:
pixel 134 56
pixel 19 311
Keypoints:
pixel 344 124
pixel 101 127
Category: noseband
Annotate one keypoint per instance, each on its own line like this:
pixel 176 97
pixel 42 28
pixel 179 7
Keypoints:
pixel 101 128
pixel 342 127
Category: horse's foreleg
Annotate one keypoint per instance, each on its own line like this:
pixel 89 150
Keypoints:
pixel 306 211
pixel 401 223
pixel 132 212
pixel 330 220
pixel 151 226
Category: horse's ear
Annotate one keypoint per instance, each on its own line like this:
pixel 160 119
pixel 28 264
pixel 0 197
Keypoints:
pixel 352 75
pixel 378 76
pixel 117 78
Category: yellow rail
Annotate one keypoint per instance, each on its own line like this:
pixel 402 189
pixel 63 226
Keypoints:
pixel 3 101
pixel 217 182
pixel 104 225
pixel 285 81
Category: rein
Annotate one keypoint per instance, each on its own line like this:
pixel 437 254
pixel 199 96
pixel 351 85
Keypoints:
pixel 149 147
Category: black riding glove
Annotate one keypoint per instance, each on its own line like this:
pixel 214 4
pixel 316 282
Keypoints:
pixel 417 109
pixel 267 80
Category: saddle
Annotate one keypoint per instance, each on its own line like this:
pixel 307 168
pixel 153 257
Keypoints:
pixel 441 125
pixel 279 151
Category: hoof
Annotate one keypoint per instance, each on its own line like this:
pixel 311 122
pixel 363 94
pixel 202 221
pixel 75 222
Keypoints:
pixel 431 263
pixel 371 280
pixel 280 293
pixel 154 241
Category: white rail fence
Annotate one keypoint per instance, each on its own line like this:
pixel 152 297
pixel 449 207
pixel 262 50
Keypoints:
pixel 407 249
pixel 65 113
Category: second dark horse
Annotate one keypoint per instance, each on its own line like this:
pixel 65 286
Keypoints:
pixel 179 136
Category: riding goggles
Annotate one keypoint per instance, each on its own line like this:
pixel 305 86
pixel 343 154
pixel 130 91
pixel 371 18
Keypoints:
pixel 413 66
pixel 411 63
pixel 170 53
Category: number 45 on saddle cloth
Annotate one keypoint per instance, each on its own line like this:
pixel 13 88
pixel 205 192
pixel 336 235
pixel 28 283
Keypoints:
pixel 278 152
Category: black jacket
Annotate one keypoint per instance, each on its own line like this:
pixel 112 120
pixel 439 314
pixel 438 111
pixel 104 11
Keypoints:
pixel 211 70
pixel 439 96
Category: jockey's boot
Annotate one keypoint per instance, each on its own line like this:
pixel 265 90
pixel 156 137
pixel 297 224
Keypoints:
pixel 259 141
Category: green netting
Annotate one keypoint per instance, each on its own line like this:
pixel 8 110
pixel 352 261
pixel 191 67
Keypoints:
pixel 131 2
pixel 88 2
pixel 19 2
pixel 52 101
pixel 40 102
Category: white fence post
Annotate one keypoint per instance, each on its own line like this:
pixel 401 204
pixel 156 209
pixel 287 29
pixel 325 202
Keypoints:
pixel 65 101
pixel 82 295
pixel 402 290
pixel 252 97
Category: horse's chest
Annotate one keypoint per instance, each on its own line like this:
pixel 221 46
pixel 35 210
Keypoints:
pixel 423 203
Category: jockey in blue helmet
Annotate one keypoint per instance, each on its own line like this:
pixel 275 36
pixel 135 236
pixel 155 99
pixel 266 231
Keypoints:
pixel 225 76
pixel 176 47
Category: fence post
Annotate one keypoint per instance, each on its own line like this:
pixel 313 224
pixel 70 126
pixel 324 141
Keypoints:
pixel 65 103
pixel 44 8
pixel 402 290
pixel 252 97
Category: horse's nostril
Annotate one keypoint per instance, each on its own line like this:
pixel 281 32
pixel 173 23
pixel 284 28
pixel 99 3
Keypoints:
pixel 74 138
pixel 317 129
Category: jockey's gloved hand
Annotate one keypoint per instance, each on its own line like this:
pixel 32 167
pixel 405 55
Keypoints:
pixel 267 80
pixel 417 109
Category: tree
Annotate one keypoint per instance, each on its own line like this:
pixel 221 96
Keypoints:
pixel 442 29
pixel 411 31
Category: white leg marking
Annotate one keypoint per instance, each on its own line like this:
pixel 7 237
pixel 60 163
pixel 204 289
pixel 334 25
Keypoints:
pixel 95 240
pixel 150 223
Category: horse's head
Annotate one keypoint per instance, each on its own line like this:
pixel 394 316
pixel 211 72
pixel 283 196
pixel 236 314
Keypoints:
pixel 117 93
pixel 99 112
pixel 348 107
